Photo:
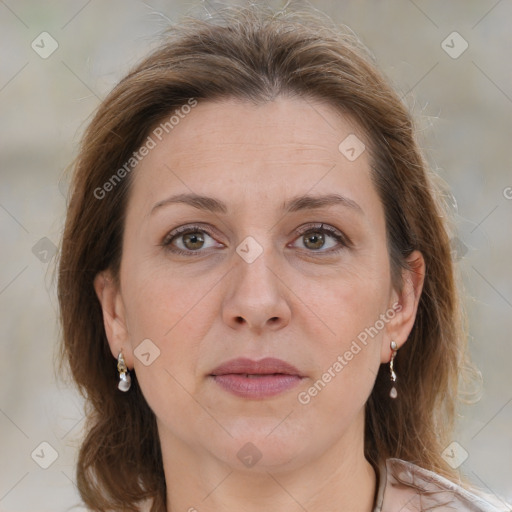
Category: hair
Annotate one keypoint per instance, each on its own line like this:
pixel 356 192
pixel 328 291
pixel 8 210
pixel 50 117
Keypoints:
pixel 255 54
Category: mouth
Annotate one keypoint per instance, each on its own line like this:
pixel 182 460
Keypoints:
pixel 256 379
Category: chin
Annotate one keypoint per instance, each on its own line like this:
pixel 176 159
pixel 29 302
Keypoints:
pixel 264 445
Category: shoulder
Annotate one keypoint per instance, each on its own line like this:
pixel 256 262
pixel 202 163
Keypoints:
pixel 406 487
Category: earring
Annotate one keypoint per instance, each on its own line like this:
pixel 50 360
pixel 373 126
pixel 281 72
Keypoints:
pixel 125 381
pixel 393 393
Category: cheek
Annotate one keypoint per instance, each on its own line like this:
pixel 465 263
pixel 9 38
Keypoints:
pixel 354 313
pixel 174 313
pixel 350 302
pixel 171 314
pixel 160 298
pixel 346 360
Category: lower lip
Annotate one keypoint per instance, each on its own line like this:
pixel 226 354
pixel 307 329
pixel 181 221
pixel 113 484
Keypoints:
pixel 256 387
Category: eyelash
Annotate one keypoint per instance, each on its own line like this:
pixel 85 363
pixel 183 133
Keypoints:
pixel 343 240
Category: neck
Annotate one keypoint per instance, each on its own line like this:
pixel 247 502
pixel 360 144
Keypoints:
pixel 338 479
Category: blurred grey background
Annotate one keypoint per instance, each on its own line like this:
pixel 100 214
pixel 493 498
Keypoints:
pixel 450 60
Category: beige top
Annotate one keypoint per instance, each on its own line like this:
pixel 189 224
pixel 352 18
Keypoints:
pixel 406 487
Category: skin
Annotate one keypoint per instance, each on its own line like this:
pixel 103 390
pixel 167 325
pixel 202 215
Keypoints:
pixel 298 301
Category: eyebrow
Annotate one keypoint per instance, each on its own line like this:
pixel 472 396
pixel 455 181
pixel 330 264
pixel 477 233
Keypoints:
pixel 304 202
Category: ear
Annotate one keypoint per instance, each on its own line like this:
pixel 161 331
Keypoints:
pixel 405 305
pixel 113 316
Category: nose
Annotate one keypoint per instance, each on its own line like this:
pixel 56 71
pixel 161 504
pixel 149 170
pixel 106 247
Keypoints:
pixel 256 296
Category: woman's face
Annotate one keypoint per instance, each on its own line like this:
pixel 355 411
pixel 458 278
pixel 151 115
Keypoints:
pixel 238 265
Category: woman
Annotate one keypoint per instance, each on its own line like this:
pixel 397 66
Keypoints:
pixel 256 285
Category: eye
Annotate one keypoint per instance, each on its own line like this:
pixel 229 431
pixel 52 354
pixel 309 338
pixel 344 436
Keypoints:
pixel 188 240
pixel 316 237
pixel 192 240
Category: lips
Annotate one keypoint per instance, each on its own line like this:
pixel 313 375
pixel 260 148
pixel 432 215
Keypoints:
pixel 267 366
pixel 256 379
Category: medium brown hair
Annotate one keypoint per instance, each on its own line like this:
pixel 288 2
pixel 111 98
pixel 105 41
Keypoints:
pixel 254 54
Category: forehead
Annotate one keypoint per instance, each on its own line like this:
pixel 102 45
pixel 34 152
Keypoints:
pixel 247 151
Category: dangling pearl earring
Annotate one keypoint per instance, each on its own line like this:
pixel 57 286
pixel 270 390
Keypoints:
pixel 125 381
pixel 393 393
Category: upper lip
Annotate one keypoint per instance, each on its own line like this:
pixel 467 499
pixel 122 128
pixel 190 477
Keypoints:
pixel 266 366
